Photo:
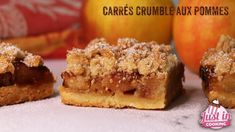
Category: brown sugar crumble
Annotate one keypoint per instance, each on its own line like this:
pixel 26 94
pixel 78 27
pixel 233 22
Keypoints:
pixel 9 53
pixel 128 56
pixel 221 58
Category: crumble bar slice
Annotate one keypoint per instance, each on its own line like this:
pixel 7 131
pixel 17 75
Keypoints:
pixel 217 71
pixel 131 74
pixel 23 77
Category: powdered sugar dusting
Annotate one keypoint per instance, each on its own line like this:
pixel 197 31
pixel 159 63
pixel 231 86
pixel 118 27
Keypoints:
pixel 10 53
pixel 33 60
pixel 222 58
pixel 128 55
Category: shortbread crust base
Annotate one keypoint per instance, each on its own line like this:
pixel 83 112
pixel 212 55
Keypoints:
pixel 18 94
pixel 225 98
pixel 116 101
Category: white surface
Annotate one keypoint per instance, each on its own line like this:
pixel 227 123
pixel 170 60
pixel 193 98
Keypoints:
pixel 51 115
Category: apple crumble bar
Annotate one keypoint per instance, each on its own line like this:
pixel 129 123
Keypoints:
pixel 23 77
pixel 143 75
pixel 217 71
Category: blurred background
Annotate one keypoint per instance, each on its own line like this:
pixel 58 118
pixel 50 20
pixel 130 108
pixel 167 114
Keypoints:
pixel 46 27
pixel 51 27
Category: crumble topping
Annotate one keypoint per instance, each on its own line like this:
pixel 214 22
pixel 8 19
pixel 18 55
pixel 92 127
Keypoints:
pixel 9 53
pixel 124 43
pixel 222 58
pixel 5 65
pixel 33 60
pixel 226 44
pixel 129 56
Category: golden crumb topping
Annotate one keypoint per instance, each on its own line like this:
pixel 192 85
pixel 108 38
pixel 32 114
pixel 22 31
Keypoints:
pixel 129 56
pixel 9 53
pixel 222 58
pixel 6 65
pixel 226 44
pixel 33 60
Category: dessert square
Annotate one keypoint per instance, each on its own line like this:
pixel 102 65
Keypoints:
pixel 142 75
pixel 23 77
pixel 217 72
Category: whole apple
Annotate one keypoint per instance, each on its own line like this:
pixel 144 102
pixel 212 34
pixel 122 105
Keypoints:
pixel 113 19
pixel 194 34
